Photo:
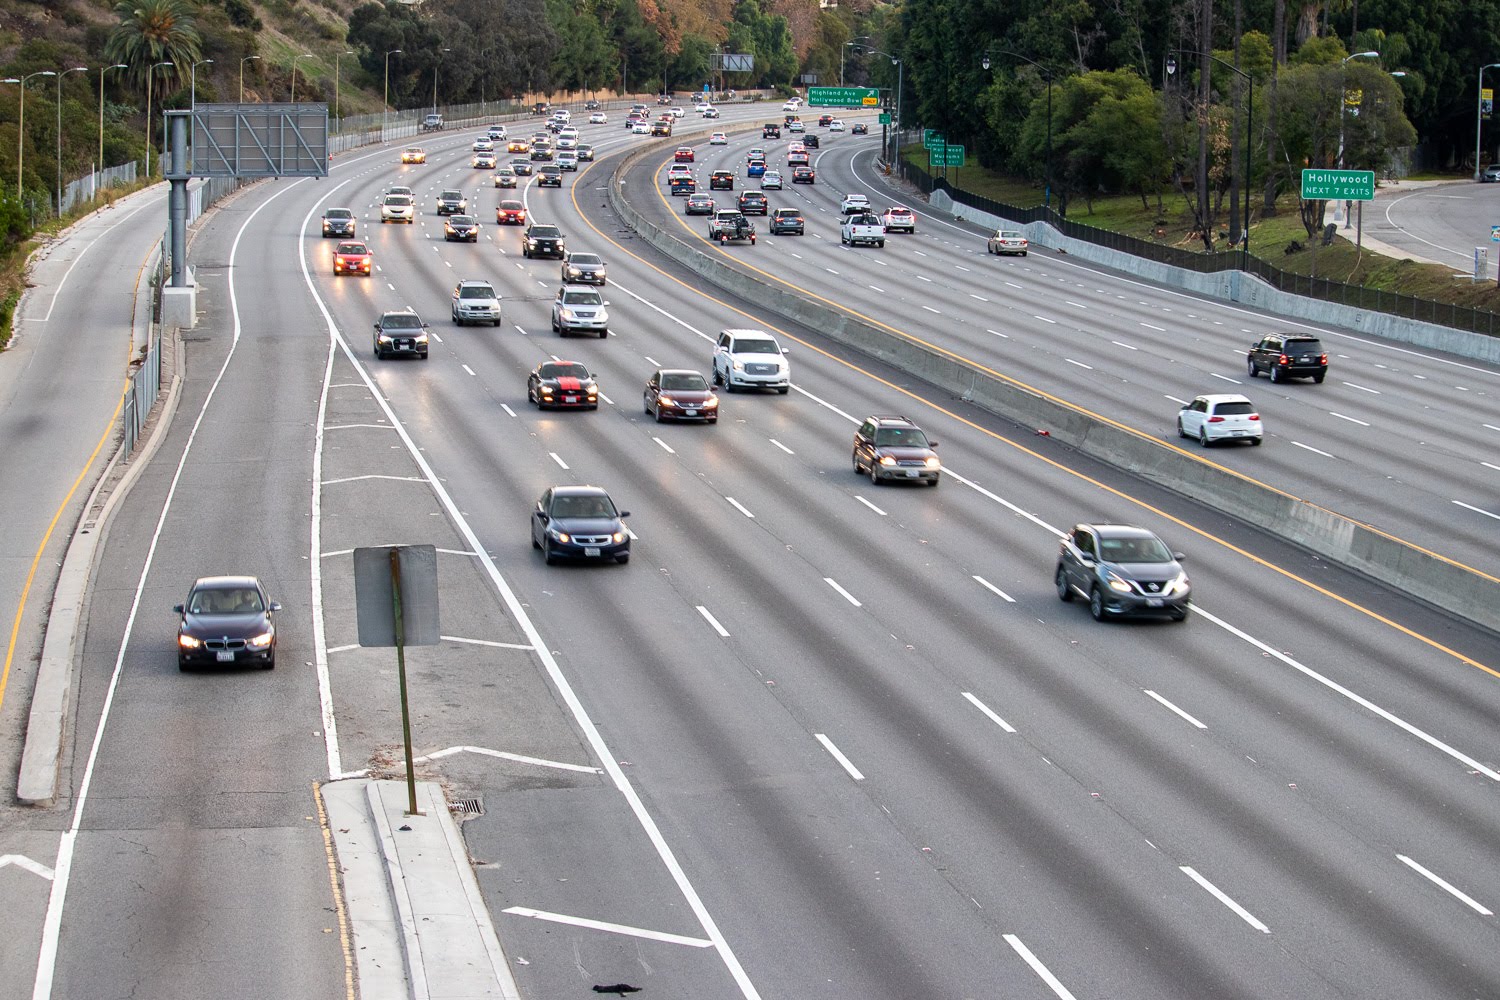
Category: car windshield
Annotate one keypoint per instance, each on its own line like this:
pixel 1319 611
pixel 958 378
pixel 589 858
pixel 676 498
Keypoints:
pixel 546 232
pixel 398 199
pixel 226 601
pixel 476 292
pixel 683 381
pixel 510 206
pixel 564 369
pixel 582 507
pixel 756 347
pixel 900 437
pixel 582 299
pixel 451 196
pixel 401 321
pixel 1134 550
pixel 462 220
pixel 1234 409
pixel 338 213
pixel 352 248
pixel 585 260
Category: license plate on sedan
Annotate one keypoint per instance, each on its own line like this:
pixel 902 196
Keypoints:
pixel 912 473
pixel 691 413
pixel 226 656
pixel 1153 602
pixel 591 551
pixel 570 399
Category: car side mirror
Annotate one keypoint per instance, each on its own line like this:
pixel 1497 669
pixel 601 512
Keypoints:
pixel 177 608
pixel 932 444
pixel 624 513
pixel 543 516
pixel 1179 557
pixel 275 605
pixel 375 326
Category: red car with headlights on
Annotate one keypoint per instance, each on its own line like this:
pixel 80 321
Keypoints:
pixel 510 213
pixel 350 257
pixel 680 394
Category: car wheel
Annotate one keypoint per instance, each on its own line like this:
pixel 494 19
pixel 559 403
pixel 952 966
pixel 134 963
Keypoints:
pixel 269 664
pixel 874 473
pixel 547 555
pixel 603 334
pixel 784 390
pixel 1179 615
pixel 1318 379
pixel 1064 590
pixel 1276 375
pixel 623 558
pixel 1023 253
pixel 1203 436
pixel 934 481
pixel 1180 432
pixel 1250 368
pixel 1256 441
pixel 881 244
pixel 1096 604
pixel 183 666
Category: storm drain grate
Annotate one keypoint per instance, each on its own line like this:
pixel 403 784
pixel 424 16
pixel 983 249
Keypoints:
pixel 466 807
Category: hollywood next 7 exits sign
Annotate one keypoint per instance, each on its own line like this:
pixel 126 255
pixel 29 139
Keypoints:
pixel 1338 185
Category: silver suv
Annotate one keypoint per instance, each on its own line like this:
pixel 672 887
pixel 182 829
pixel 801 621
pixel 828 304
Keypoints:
pixel 751 359
pixel 476 302
pixel 580 308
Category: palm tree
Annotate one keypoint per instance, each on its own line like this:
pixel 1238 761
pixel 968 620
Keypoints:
pixel 153 31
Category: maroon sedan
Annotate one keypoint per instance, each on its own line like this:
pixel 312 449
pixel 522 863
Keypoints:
pixel 680 394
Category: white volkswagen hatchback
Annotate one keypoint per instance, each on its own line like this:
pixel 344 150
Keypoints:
pixel 1220 417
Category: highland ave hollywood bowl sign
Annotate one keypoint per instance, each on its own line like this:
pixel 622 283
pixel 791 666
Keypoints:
pixel 1338 185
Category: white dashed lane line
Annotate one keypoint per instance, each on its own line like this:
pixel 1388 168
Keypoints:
pixel 1127 347
pixel 558 459
pixel 1350 419
pixel 994 589
pixel 781 446
pixel 1173 708
pixel 838 755
pixel 1315 451
pixel 1080 364
pixel 1362 388
pixel 713 622
pixel 869 505
pixel 1226 378
pixel 1046 319
pixel 999 334
pixel 1478 510
pixel 739 506
pixel 1151 326
pixel 844 593
pixel 989 712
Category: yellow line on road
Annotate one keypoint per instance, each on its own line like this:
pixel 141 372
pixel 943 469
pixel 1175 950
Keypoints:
pixel 1144 505
pixel 338 894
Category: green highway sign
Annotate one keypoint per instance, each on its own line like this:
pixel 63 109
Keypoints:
pixel 842 97
pixel 885 117
pixel 1338 185
pixel 932 137
pixel 946 156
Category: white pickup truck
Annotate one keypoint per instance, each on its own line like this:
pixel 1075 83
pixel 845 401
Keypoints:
pixel 859 229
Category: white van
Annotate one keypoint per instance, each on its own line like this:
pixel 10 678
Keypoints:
pixel 751 359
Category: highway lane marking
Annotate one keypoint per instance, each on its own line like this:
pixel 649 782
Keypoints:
pixel 24 863
pixel 991 587
pixel 1151 326
pixel 713 622
pixel 923 277
pixel 483 642
pixel 739 506
pixel 1127 347
pixel 358 479
pixel 998 334
pixel 1041 970
pixel 932 310
pixel 1477 510
pixel 869 505
pixel 1443 883
pixel 1350 419
pixel 1173 708
pixel 981 298
pixel 1014 285
pixel 989 712
pixel 1219 894
pixel 1045 319
pixel 600 925
pixel 846 595
pixel 468 369
pixel 1310 448
pixel 1226 378
pixel 1491 427
pixel 507 409
pixel 1363 388
pixel 1487 465
pixel 838 755
pixel 781 446
pixel 664 445
pixel 1080 364
pixel 1176 400
pixel 558 459
pixel 1078 305
pixel 57 292
pixel 875 288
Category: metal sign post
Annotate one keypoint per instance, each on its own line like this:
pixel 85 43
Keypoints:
pixel 411 767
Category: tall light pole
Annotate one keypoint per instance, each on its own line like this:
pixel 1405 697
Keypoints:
pixel 150 78
pixel 21 128
pixel 1479 114
pixel 1047 74
pixel 193 82
pixel 843 52
pixel 1343 102
pixel 242 76
pixel 102 71
pixel 74 69
pixel 305 55
pixel 336 57
pixel 385 100
pixel 435 67
pixel 900 71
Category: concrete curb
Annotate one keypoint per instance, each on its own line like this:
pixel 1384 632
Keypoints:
pixel 1424 575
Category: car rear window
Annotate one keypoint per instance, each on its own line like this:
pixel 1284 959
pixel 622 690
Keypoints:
pixel 1304 346
pixel 1234 409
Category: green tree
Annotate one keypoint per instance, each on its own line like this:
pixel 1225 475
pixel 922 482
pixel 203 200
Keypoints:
pixel 585 58
pixel 153 31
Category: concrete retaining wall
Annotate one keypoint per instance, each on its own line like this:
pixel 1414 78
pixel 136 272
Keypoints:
pixel 1422 574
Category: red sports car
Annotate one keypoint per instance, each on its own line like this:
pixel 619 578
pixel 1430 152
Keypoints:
pixel 564 385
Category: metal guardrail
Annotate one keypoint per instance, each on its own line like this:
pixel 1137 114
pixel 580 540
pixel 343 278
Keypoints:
pixel 1459 317
pixel 145 385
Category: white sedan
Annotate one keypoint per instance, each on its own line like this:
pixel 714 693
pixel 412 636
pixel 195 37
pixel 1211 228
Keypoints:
pixel 483 146
pixel 837 125
pixel 771 180
pixel 718 139
pixel 1220 417
pixel 598 118
pixel 640 128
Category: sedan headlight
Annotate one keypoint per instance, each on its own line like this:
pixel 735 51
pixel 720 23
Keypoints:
pixel 887 460
pixel 261 641
pixel 712 403
pixel 1119 584
pixel 665 401
pixel 618 537
pixel 188 642
pixel 561 536
pixel 1177 585
pixel 933 463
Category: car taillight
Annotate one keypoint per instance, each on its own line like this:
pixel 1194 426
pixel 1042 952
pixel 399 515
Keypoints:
pixel 1283 360
pixel 1255 416
pixel 1322 359
pixel 1216 420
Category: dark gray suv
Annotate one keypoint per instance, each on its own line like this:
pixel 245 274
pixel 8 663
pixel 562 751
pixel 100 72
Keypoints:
pixel 1288 355
pixel 895 448
pixel 1122 571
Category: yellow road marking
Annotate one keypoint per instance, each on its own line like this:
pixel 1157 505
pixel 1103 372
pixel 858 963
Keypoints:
pixel 338 895
pixel 1288 574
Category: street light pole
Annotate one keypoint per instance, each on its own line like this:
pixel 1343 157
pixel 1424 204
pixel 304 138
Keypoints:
pixel 100 165
pixel 21 127
pixel 1047 74
pixel 193 85
pixel 336 57
pixel 242 76
pixel 435 67
pixel 305 55
pixel 842 52
pixel 385 100
pixel 1479 114
pixel 75 69
pixel 1343 74
pixel 150 77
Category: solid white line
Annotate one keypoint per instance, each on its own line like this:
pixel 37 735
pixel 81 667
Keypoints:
pixel 558 459
pixel 357 479
pixel 1310 448
pixel 1350 419
pixel 739 506
pixel 600 925
pixel 1362 388
pixel 664 445
pixel 345 648
pixel 468 369
pixel 26 864
pixel 869 505
pixel 1037 967
pixel 1214 890
pixel 1080 364
pixel 1226 378
pixel 1171 707
pixel 987 711
pixel 1478 510
pixel 839 756
pixel 484 642
pixel 57 292
pixel 1463 897
pixel 1360 700
pixel 781 446
pixel 712 621
pixel 46 963
pixel 847 596
pixel 1150 326
pixel 990 586
pixel 503 755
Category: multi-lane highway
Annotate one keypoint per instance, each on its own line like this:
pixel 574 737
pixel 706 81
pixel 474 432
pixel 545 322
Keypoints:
pixel 818 738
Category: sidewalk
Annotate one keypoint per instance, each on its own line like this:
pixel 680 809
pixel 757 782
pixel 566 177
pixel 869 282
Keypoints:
pixel 420 927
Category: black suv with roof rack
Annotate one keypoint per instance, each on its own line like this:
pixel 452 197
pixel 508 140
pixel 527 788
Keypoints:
pixel 1288 355
pixel 894 447
pixel 543 241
